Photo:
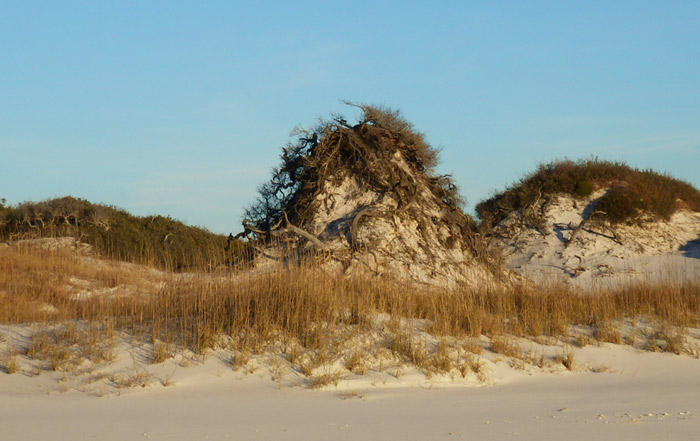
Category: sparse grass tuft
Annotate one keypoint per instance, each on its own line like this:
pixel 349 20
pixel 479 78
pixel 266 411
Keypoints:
pixel 137 378
pixel 239 359
pixel 669 341
pixel 161 352
pixel 352 394
pixel 441 361
pixel 472 345
pixel 168 380
pixel 478 366
pixel 505 346
pixel 318 381
pixel 600 368
pixel 65 347
pixel 566 358
pixel 356 363
pixel 409 350
pixel 584 340
pixel 607 332
pixel 10 364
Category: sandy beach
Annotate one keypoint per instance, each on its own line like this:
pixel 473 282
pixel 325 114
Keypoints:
pixel 640 396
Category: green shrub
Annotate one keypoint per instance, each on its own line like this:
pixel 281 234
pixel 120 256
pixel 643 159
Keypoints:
pixel 584 188
pixel 632 194
pixel 157 240
pixel 620 203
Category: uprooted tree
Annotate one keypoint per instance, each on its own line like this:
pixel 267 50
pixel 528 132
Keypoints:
pixel 367 196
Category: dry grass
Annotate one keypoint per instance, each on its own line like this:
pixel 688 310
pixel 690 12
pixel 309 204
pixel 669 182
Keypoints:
pixel 66 347
pixel 137 378
pixel 505 346
pixel 356 362
pixel 478 367
pixel 323 379
pixel 600 368
pixel 309 317
pixel 161 352
pixel 352 394
pixel 566 358
pixel 584 340
pixel 609 333
pixel 669 340
pixel 168 381
pixel 240 359
pixel 10 364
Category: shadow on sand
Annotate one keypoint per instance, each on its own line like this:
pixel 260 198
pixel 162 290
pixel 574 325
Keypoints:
pixel 692 249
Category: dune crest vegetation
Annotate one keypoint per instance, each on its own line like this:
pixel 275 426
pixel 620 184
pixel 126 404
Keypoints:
pixel 631 195
pixel 115 233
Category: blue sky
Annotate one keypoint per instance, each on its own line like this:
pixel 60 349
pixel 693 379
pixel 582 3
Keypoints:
pixel 181 108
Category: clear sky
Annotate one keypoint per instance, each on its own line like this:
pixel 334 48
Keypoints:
pixel 181 108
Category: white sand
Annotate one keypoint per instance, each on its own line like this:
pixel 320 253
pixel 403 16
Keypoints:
pixel 600 255
pixel 643 396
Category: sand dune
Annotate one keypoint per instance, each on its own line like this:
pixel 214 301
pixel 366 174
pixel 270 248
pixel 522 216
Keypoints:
pixel 641 396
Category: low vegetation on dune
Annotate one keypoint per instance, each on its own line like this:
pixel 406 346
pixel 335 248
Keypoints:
pixel 112 232
pixel 304 323
pixel 632 195
pixel 365 197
